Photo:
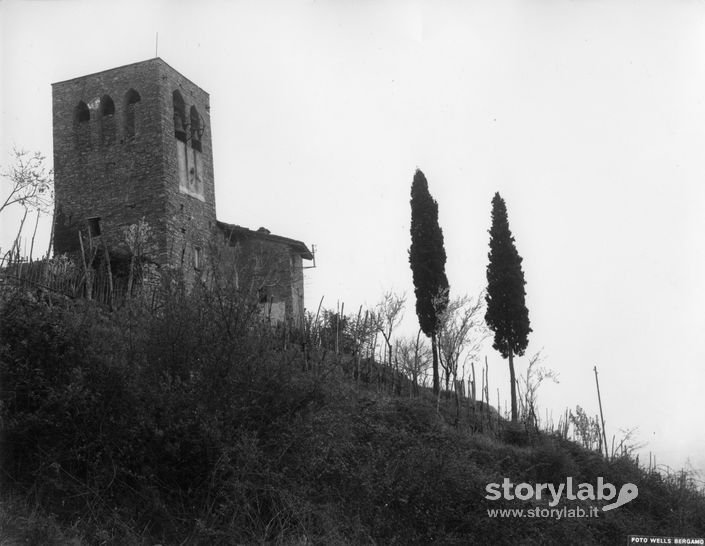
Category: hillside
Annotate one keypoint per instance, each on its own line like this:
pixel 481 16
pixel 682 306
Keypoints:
pixel 194 426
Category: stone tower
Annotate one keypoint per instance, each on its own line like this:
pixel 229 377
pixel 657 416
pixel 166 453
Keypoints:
pixel 134 143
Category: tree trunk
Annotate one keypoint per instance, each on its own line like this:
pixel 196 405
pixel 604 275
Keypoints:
pixel 51 235
pixel 512 378
pixel 434 350
pixel 34 233
pixel 130 276
pixel 86 273
pixel 472 391
pixel 110 274
pixel 16 246
pixel 448 368
pixel 456 388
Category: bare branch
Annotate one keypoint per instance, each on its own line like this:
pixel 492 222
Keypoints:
pixel 462 331
pixel 387 315
pixel 414 358
pixel 28 182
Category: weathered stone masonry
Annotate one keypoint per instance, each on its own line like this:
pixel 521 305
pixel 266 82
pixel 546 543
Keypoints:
pixel 134 143
pixel 274 266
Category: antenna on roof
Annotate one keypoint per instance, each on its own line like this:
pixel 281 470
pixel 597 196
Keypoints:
pixel 313 254
pixel 156 45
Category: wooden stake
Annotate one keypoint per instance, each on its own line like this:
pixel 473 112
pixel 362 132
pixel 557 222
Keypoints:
pixel 110 274
pixel 88 280
pixel 602 417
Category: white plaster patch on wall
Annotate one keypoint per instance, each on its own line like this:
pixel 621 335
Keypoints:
pixel 274 312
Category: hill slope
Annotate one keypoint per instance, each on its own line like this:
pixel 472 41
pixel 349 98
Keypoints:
pixel 192 426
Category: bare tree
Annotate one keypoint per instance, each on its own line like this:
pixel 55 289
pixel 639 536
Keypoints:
pixel 28 182
pixel 139 240
pixel 627 446
pixel 89 252
pixel 386 317
pixel 528 388
pixel 362 332
pixel 414 358
pixel 462 332
pixel 586 429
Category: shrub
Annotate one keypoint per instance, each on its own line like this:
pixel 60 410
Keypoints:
pixel 198 424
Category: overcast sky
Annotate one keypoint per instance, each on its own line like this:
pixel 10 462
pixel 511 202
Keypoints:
pixel 587 116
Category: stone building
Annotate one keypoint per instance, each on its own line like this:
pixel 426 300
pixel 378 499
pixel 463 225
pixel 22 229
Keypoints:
pixel 133 144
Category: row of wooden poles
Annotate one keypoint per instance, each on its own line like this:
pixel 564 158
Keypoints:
pixel 63 277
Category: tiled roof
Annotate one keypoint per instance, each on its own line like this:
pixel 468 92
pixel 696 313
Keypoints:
pixel 235 233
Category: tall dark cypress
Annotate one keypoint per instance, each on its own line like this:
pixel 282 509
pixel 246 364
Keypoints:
pixel 427 257
pixel 507 315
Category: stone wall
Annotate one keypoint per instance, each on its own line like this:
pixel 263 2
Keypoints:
pixel 190 220
pixel 115 161
pixel 269 268
pixel 134 143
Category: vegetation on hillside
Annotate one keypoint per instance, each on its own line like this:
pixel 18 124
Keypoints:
pixel 179 415
pixel 507 315
pixel 197 425
pixel 427 257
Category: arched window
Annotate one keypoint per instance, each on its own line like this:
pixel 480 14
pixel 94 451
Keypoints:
pixel 107 120
pixel 196 129
pixel 132 97
pixel 83 114
pixel 179 116
pixel 82 128
pixel 188 158
pixel 107 106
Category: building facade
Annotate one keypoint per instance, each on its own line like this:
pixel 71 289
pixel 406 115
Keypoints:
pixel 133 145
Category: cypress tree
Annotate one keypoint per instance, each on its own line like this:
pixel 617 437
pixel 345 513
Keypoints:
pixel 507 315
pixel 427 257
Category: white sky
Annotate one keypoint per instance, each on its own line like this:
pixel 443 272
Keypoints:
pixel 588 116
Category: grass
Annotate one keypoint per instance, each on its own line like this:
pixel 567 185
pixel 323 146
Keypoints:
pixel 30 525
pixel 126 428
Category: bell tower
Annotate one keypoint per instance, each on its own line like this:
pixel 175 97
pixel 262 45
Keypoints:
pixel 134 143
